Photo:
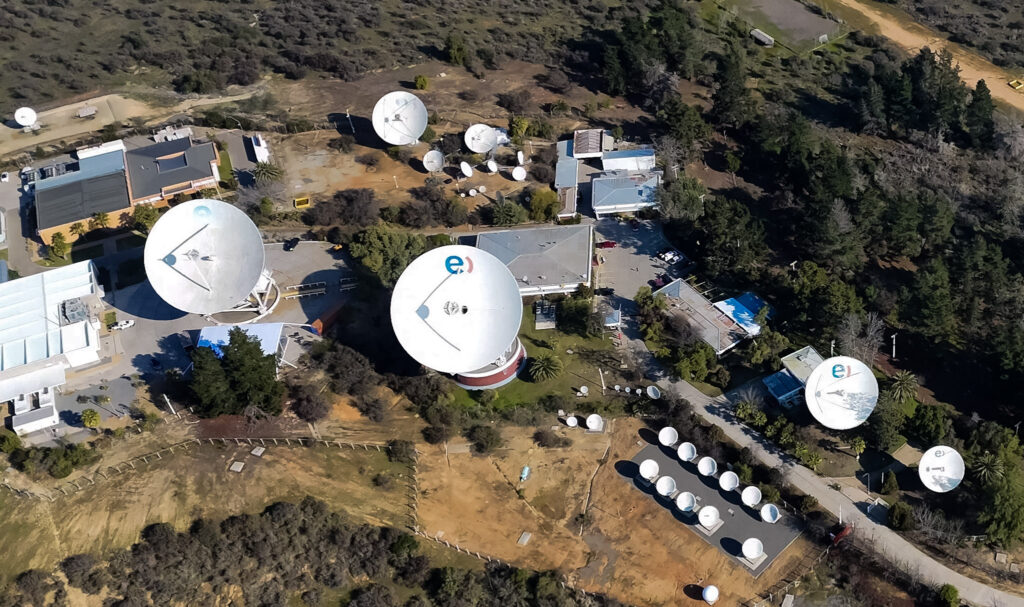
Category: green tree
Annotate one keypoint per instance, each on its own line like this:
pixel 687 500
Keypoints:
pixel 978 117
pixel 731 103
pixel 91 418
pixel 385 252
pixel 145 216
pixel 266 172
pixel 886 423
pixel 99 221
pixel 210 385
pixel 486 439
pixel 949 596
pixel 9 441
pixel 507 213
pixel 685 124
pixel 544 204
pixel 613 72
pixel 901 517
pixel 428 135
pixel 422 82
pixel 903 386
pixel 77 229
pixel 931 424
pixel 252 373
pixel 933 298
pixel 1003 509
pixel 681 199
pixel 545 366
pixel 857 445
pixel 890 485
pixel 59 247
pixel 732 163
pixel 988 468
pixel 768 344
pixel 455 49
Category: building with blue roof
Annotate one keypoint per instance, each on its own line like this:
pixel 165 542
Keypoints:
pixel 787 386
pixel 638 159
pixel 743 310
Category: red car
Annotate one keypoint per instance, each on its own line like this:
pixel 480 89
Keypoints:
pixel 607 244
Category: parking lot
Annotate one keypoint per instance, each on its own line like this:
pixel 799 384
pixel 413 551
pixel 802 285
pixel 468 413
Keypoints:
pixel 632 263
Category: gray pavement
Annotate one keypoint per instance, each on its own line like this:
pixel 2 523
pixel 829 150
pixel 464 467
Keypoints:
pixel 632 263
pixel 739 522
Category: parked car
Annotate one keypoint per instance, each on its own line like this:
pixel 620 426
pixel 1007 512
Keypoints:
pixel 4 177
pixel 607 244
pixel 123 324
pixel 290 244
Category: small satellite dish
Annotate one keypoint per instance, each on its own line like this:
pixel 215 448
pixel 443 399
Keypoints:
pixel 519 156
pixel 751 496
pixel 770 513
pixel 466 169
pixel 399 118
pixel 472 192
pixel 25 116
pixel 666 486
pixel 752 548
pixel 628 390
pixel 841 393
pixel 710 595
pixel 686 501
pixel 649 469
pixel 594 421
pixel 481 138
pixel 653 392
pixel 618 388
pixel 668 436
pixel 571 421
pixel 519 174
pixel 687 451
pixel 941 469
pixel 492 166
pixel 729 481
pixel 708 517
pixel 433 161
pixel 707 466
pixel 482 189
pixel 585 390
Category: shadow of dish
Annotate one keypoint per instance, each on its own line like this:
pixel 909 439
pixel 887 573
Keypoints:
pixel 693 591
pixel 627 468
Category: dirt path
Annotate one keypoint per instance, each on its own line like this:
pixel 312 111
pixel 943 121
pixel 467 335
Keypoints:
pixel 910 36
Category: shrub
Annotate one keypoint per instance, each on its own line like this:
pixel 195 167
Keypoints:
pixel 549 440
pixel 369 160
pixel 383 481
pixel 769 492
pixel 744 471
pixel 890 485
pixel 485 438
pixel 437 434
pixel 901 517
pixel 344 143
pixel 422 82
pixel 9 441
pixel 949 596
pixel 808 503
pixel 401 451
pixel 428 135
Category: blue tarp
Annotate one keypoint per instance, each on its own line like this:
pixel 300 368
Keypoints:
pixel 743 310
pixel 269 335
pixel 782 384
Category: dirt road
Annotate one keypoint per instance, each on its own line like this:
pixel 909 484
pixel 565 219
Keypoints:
pixel 910 36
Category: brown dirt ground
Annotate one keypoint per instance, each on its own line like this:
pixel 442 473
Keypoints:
pixel 473 501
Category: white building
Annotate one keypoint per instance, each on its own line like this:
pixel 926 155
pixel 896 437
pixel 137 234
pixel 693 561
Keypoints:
pixel 49 323
pixel 547 260
pixel 259 148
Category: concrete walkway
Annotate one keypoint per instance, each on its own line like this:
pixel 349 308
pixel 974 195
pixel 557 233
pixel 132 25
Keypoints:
pixel 885 541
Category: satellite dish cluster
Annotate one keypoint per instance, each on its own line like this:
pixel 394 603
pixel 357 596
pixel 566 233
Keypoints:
pixel 842 392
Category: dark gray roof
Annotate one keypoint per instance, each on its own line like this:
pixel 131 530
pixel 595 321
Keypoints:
pixel 544 256
pixel 154 167
pixel 79 200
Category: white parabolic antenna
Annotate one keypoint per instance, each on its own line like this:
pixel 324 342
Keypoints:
pixel 666 485
pixel 519 156
pixel 710 595
pixel 770 513
pixel 466 169
pixel 708 516
pixel 668 436
pixel 941 469
pixel 686 501
pixel 752 548
pixel 456 309
pixel 707 466
pixel 729 481
pixel 594 421
pixel 687 451
pixel 649 469
pixel 472 192
pixel 492 166
pixel 399 118
pixel 571 421
pixel 841 393
pixel 433 161
pixel 25 116
pixel 204 256
pixel 751 496
pixel 481 138
pixel 653 392
pixel 519 174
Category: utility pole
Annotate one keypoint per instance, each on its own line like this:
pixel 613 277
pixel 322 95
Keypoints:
pixel 894 346
pixel 832 349
pixel 350 125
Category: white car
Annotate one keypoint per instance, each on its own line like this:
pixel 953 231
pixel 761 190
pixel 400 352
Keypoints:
pixel 124 324
pixel 4 177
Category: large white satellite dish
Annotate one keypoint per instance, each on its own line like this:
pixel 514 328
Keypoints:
pixel 649 469
pixel 466 169
pixel 433 161
pixel 708 517
pixel 770 513
pixel 481 138
pixel 687 451
pixel 456 309
pixel 750 496
pixel 941 469
pixel 204 256
pixel 752 548
pixel 594 421
pixel 25 116
pixel 728 481
pixel 399 118
pixel 841 393
pixel 707 466
pixel 653 392
pixel 666 486
pixel 519 174
pixel 686 501
pixel 492 166
pixel 710 595
pixel 668 436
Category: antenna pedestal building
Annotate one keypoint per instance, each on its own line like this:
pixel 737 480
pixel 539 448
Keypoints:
pixel 496 374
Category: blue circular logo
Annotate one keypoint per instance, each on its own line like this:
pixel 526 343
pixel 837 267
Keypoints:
pixel 201 211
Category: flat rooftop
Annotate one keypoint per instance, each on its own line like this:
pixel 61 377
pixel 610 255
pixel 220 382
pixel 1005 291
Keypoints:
pixel 712 325
pixel 557 255
pixel 802 362
pixel 739 522
pixel 161 165
pixel 80 199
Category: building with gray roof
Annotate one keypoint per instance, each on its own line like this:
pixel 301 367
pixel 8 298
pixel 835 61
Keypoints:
pixel 566 179
pixel 554 259
pixel 623 191
pixel 707 322
pixel 163 170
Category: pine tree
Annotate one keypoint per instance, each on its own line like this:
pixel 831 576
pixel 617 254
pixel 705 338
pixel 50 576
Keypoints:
pixel 731 102
pixel 252 373
pixel 978 117
pixel 614 75
pixel 210 384
pixel 934 298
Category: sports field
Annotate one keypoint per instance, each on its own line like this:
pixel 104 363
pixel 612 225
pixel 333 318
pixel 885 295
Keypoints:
pixel 793 24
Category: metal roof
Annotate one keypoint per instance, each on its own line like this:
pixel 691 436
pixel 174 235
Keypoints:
pixel 89 167
pixel 710 324
pixel 268 334
pixel 155 167
pixel 638 159
pixel 79 200
pixel 743 310
pixel 567 198
pixel 782 384
pixel 31 327
pixel 34 415
pixel 550 256
pixel 589 143
pixel 567 167
pixel 802 362
pixel 624 191
pixel 27 379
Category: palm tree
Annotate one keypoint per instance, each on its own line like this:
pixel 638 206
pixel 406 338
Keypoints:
pixel 77 229
pixel 903 386
pixel 90 418
pixel 545 366
pixel 857 445
pixel 265 172
pixel 988 467
pixel 99 220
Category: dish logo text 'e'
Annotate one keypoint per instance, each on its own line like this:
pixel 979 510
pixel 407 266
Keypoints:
pixel 457 265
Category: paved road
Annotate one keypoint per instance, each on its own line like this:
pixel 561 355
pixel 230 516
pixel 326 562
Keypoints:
pixel 884 540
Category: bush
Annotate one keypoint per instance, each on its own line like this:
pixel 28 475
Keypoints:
pixel 401 451
pixel 383 481
pixel 485 438
pixel 549 440
pixel 901 517
pixel 370 160
pixel 542 173
pixel 422 82
pixel 890 485
pixel 744 471
pixel 808 503
pixel 344 143
pixel 9 441
pixel 949 596
pixel 437 434
pixel 769 492
pixel 428 135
